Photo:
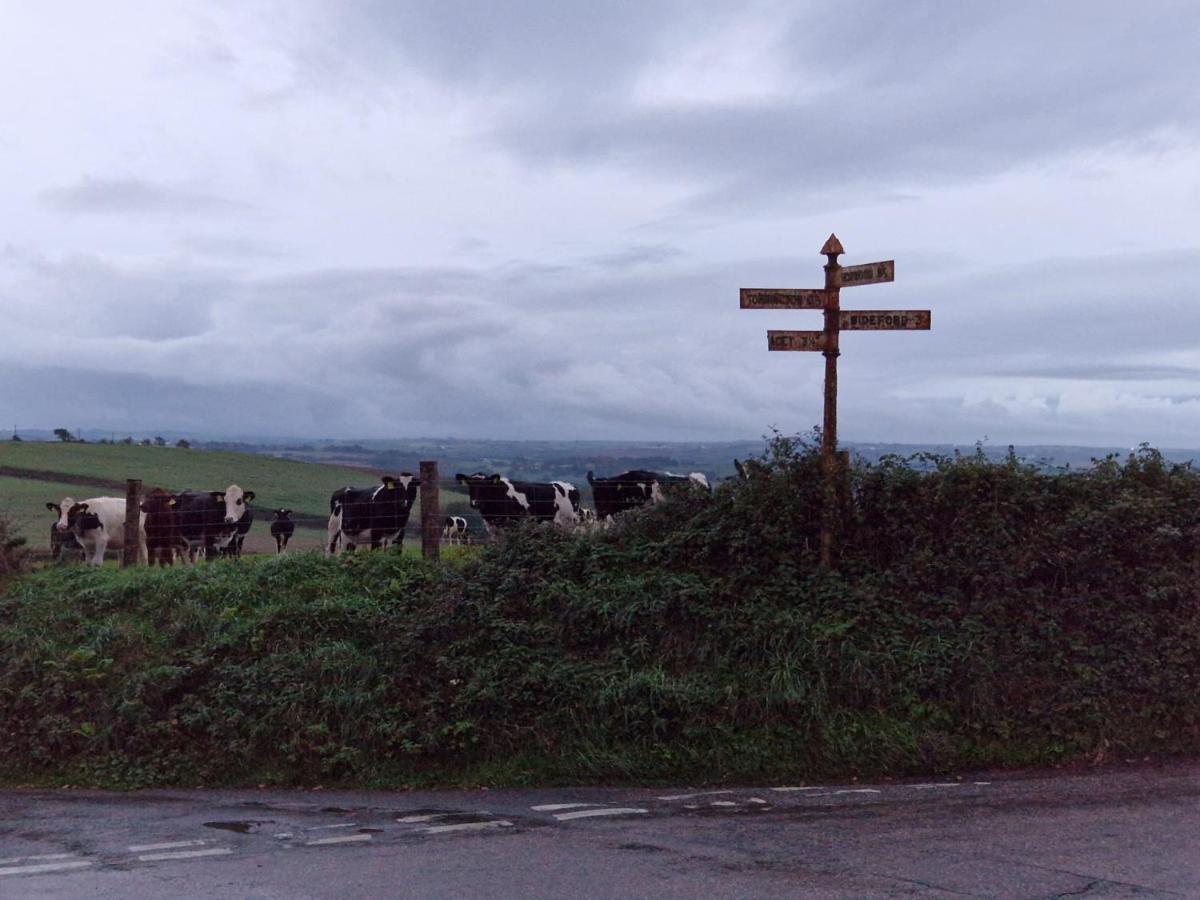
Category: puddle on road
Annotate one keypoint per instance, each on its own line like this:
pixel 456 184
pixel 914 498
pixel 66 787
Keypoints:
pixel 245 826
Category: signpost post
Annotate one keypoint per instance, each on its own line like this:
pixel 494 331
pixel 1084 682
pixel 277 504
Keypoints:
pixel 826 341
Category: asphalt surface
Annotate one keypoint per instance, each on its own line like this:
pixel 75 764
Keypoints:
pixel 1118 832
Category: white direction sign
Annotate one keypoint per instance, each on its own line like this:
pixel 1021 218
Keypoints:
pixel 795 340
pixel 884 320
pixel 869 273
pixel 782 298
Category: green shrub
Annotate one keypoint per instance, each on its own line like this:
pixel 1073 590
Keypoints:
pixel 983 613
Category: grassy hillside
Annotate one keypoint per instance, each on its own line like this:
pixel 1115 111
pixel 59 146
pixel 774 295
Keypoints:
pixel 33 473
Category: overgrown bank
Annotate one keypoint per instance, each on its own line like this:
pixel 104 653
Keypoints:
pixel 985 613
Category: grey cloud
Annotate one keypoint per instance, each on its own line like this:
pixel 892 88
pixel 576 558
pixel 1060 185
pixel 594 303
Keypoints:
pixel 133 196
pixel 1108 373
pixel 637 255
pixel 929 93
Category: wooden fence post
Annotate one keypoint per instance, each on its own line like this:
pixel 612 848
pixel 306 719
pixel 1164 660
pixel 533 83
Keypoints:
pixel 431 516
pixel 133 516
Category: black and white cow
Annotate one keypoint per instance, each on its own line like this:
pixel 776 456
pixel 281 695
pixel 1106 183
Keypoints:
pixel 282 529
pixel 636 487
pixel 454 530
pixel 208 520
pixel 233 549
pixel 377 516
pixel 97 524
pixel 503 502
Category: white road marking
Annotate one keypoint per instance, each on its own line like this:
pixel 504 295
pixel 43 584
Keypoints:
pixel 551 807
pixel 757 800
pixel 690 806
pixel 693 796
pixel 468 826
pixel 926 787
pixel 608 811
pixel 859 791
pixel 344 839
pixel 983 782
pixel 410 820
pixel 170 845
pixel 37 856
pixel 185 854
pixel 323 827
pixel 46 867
pixel 782 789
pixel 723 803
pixel 282 834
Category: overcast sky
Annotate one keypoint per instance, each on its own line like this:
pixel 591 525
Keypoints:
pixel 378 218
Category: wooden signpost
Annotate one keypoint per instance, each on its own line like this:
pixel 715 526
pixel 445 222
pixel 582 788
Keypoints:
pixel 837 320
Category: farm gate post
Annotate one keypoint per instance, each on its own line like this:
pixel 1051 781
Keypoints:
pixel 133 514
pixel 431 516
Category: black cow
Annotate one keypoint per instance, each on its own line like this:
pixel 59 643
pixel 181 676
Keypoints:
pixel 282 529
pixel 503 502
pixel 207 520
pixel 636 488
pixel 375 516
pixel 233 549
pixel 162 527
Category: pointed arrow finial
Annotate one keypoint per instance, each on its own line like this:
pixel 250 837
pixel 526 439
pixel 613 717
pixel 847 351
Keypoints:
pixel 833 247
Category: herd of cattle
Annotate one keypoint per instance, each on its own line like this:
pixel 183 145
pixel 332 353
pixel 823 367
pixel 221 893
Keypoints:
pixel 190 525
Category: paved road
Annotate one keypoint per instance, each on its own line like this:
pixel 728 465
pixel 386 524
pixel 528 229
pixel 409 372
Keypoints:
pixel 1122 832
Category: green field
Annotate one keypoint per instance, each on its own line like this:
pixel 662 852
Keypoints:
pixel 33 473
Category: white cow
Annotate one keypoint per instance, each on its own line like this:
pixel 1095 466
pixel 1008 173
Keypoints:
pixel 97 524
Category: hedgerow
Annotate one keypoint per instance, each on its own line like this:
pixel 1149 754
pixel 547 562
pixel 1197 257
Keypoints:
pixel 983 613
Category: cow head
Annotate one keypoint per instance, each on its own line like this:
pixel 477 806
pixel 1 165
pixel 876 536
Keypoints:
pixel 159 501
pixel 68 513
pixel 475 484
pixel 235 500
pixel 404 485
pixel 281 514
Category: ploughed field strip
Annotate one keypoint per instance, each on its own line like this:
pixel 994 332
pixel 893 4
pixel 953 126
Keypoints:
pixel 255 827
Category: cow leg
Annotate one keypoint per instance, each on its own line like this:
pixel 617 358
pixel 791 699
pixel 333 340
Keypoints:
pixel 100 544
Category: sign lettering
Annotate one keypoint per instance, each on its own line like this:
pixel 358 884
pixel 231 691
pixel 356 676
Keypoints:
pixel 884 320
pixel 782 298
pixel 795 340
pixel 869 273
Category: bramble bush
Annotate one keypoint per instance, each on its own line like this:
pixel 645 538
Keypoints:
pixel 983 613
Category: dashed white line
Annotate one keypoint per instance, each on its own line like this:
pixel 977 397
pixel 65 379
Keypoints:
pixel 468 826
pixel 169 845
pixel 36 857
pixel 551 807
pixel 859 791
pixel 185 854
pixel 46 867
pixel 757 800
pixel 723 803
pixel 412 820
pixel 607 811
pixel 693 796
pixel 342 839
pixel 324 827
pixel 785 789
pixel 926 787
